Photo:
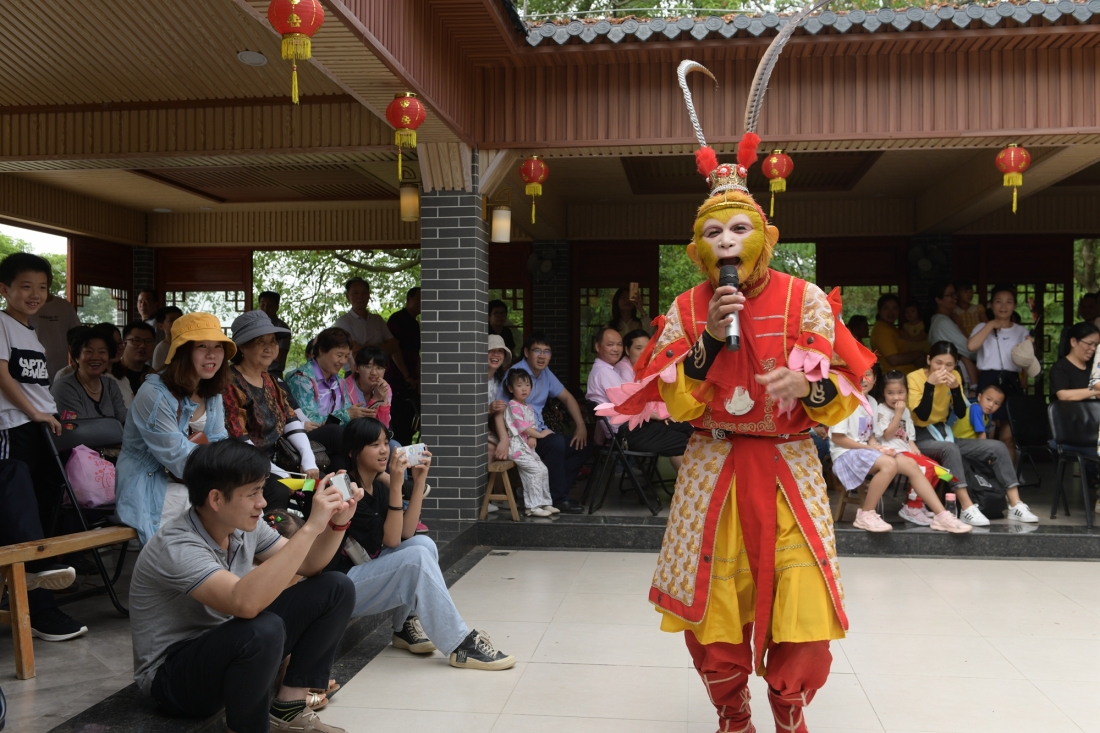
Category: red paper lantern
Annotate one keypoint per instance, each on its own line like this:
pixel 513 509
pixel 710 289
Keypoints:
pixel 777 167
pixel 405 113
pixel 296 21
pixel 1012 162
pixel 534 173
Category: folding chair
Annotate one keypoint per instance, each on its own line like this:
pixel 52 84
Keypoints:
pixel 615 453
pixel 97 434
pixel 1074 426
pixel 1031 432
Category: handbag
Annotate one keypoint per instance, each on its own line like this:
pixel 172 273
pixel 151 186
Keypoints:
pixel 91 476
pixel 288 458
pixel 198 437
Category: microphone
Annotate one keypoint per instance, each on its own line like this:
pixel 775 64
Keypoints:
pixel 727 275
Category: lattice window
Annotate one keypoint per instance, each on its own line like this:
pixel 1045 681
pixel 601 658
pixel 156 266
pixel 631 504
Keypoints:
pixel 102 305
pixel 595 313
pixel 225 304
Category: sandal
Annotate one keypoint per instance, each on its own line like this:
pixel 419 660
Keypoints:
pixel 316 701
pixel 333 686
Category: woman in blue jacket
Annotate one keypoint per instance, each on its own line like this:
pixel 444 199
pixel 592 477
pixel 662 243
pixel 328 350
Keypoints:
pixel 171 413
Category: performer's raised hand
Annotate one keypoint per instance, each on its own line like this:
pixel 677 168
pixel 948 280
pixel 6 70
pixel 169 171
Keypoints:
pixel 724 303
pixel 783 384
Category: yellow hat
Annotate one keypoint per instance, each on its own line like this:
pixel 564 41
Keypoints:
pixel 199 327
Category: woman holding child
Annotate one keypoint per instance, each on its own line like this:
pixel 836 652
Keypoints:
pixel 934 393
pixel 172 413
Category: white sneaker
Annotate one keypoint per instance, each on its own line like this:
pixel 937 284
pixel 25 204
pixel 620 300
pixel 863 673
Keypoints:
pixel 536 512
pixel 916 516
pixel 493 508
pixel 1021 513
pixel 927 513
pixel 974 517
pixel 551 508
pixel 870 521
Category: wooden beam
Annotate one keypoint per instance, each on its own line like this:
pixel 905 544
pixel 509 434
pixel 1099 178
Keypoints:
pixel 975 189
pixel 306 100
pixel 63 544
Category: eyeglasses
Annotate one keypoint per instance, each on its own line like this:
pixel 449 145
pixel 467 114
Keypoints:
pixel 147 342
pixel 1089 344
pixel 540 352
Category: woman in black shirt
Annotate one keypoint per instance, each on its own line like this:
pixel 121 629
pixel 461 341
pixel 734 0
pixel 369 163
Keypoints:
pixel 393 568
pixel 1069 377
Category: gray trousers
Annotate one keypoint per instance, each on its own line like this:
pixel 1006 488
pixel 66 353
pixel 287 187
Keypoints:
pixel 949 455
pixel 407 581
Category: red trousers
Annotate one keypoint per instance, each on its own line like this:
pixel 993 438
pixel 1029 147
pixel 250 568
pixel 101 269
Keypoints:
pixel 794 673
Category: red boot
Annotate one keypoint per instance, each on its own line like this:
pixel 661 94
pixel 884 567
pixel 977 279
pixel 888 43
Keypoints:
pixel 795 673
pixel 787 710
pixel 725 669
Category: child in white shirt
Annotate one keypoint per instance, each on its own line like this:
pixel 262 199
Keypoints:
pixel 895 432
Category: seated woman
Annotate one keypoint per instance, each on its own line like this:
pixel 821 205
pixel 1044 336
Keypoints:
pixel 500 358
pixel 1069 377
pixel 257 411
pixel 172 413
pixel 366 385
pixel 322 395
pixel 634 344
pixel 886 339
pixel 396 570
pixel 934 392
pixel 90 391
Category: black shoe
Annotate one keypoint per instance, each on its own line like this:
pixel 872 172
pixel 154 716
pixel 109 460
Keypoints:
pixel 52 576
pixel 413 638
pixel 568 507
pixel 53 624
pixel 476 652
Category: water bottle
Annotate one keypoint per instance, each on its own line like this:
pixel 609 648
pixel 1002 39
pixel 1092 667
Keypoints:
pixel 950 504
pixel 355 552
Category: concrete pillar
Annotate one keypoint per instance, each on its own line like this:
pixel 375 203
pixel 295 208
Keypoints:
pixel 454 275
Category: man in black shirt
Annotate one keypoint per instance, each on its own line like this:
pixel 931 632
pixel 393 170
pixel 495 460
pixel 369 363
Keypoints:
pixel 498 323
pixel 137 339
pixel 406 392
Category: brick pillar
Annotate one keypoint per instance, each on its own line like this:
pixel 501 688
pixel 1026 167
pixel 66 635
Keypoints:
pixel 551 306
pixel 144 276
pixel 454 275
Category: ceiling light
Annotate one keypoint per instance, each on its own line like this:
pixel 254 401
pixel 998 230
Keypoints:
pixel 162 210
pixel 252 58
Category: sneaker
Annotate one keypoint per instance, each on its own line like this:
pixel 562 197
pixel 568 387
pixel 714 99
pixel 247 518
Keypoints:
pixel 537 511
pixel 871 521
pixel 974 517
pixel 916 516
pixel 493 508
pixel 51 577
pixel 945 521
pixel 412 637
pixel 53 624
pixel 551 508
pixel 421 528
pixel 926 512
pixel 306 721
pixel 476 652
pixel 1021 513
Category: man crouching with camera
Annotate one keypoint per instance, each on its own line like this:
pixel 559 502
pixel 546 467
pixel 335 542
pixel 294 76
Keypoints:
pixel 210 629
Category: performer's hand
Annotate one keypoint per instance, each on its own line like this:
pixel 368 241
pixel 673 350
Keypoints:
pixel 723 304
pixel 783 384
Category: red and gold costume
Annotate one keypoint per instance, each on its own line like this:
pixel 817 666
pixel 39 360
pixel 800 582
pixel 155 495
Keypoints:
pixel 748 567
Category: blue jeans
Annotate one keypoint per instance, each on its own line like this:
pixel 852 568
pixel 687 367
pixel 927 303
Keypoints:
pixel 407 580
pixel 563 462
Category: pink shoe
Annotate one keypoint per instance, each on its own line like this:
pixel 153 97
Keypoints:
pixel 421 528
pixel 945 521
pixel 871 521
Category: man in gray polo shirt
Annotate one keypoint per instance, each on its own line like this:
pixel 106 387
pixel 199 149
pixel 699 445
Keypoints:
pixel 209 629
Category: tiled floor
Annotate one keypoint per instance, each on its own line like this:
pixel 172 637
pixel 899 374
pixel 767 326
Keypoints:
pixel 936 646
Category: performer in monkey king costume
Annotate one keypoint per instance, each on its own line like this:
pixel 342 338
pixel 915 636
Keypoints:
pixel 748 561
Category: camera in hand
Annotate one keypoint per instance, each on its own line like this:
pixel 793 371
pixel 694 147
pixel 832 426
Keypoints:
pixel 343 483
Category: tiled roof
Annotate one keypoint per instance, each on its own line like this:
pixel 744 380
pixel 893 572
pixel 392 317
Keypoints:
pixel 947 17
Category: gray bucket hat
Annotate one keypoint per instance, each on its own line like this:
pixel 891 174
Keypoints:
pixel 252 325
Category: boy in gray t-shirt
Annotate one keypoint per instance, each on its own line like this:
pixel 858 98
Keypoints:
pixel 202 614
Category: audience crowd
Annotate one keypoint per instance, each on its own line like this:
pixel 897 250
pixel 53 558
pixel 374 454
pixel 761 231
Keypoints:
pixel 275 502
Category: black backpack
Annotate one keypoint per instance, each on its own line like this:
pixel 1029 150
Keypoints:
pixel 984 488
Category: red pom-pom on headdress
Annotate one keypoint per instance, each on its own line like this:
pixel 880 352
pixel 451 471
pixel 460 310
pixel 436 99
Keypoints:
pixel 746 149
pixel 706 160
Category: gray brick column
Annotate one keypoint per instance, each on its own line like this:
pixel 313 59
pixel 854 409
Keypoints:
pixel 454 275
pixel 144 276
pixel 552 307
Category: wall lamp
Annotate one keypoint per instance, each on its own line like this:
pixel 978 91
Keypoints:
pixel 501 208
pixel 410 202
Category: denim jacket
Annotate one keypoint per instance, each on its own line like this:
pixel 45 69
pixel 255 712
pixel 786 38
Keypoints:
pixel 154 444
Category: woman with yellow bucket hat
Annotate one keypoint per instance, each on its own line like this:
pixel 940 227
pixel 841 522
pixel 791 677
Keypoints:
pixel 171 414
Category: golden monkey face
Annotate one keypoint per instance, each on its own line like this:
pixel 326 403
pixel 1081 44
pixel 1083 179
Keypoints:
pixel 732 235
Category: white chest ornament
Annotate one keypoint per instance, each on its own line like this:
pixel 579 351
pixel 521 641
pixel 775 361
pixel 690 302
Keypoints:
pixel 739 403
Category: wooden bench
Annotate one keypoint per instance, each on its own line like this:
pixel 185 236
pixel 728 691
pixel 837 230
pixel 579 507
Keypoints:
pixel 501 468
pixel 12 560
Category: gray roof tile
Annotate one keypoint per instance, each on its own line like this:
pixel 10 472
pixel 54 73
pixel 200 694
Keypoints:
pixel 1001 14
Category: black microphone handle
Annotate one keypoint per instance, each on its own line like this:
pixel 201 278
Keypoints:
pixel 728 276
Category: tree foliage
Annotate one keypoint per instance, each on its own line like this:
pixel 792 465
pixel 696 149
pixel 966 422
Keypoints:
pixel 9 244
pixel 311 283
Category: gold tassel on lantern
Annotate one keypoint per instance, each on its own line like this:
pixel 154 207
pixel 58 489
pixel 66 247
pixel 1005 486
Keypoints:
pixel 296 47
pixel 777 185
pixel 1014 180
pixel 403 138
pixel 533 190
